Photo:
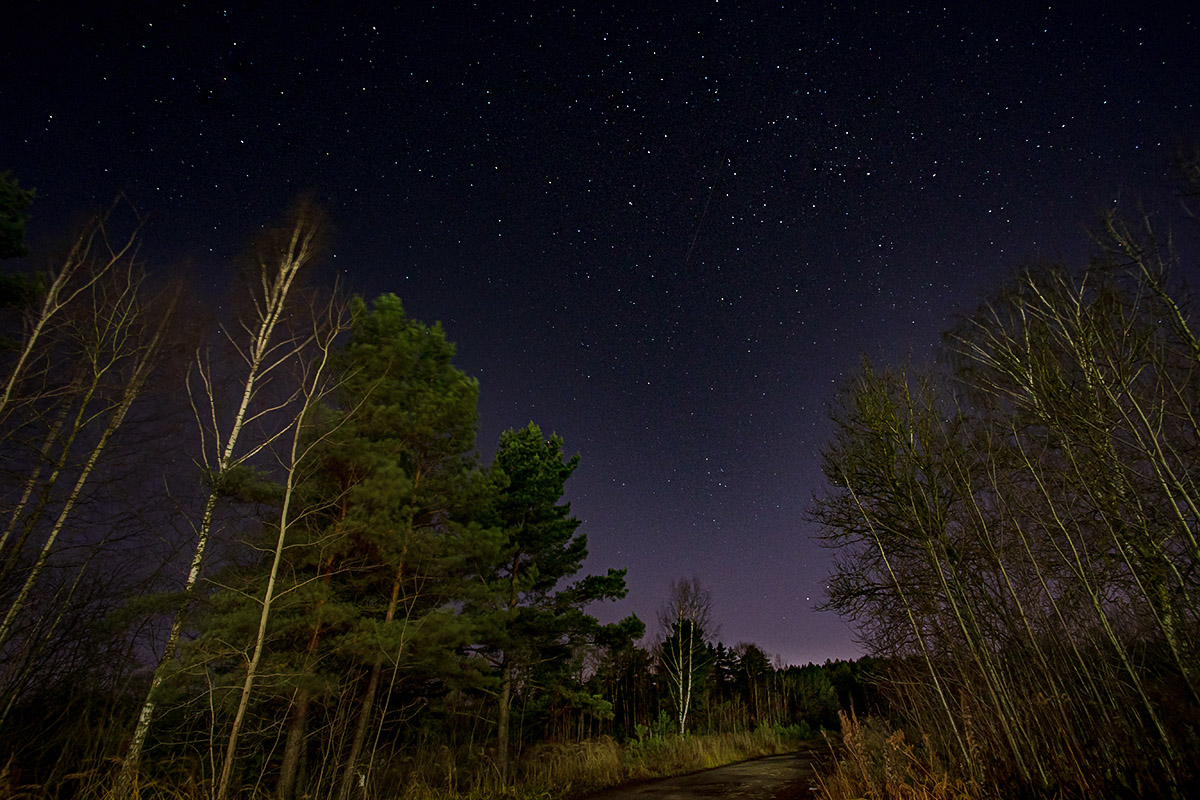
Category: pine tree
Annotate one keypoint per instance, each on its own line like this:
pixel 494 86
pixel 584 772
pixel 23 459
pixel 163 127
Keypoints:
pixel 527 622
pixel 376 553
pixel 408 454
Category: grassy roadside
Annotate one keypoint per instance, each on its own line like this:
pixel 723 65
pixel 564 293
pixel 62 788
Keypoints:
pixel 560 771
pixel 875 762
pixel 565 772
pixel 549 772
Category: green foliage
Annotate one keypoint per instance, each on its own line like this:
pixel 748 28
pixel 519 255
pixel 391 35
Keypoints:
pixel 14 213
pixel 541 545
pixel 380 545
pixel 530 626
pixel 662 727
pixel 800 731
pixel 21 291
pixel 414 589
pixel 246 484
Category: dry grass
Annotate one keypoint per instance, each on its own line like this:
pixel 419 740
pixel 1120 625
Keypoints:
pixel 554 771
pixel 875 764
pixel 548 772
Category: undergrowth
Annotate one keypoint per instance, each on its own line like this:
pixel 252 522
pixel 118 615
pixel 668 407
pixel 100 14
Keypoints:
pixel 547 772
pixel 877 764
pixel 552 771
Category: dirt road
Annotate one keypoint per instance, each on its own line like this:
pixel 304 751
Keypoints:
pixel 785 777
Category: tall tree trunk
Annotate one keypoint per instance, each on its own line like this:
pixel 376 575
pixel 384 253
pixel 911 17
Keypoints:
pixel 294 746
pixel 31 483
pixel 504 712
pixel 62 291
pixel 293 754
pixel 262 353
pixel 368 703
pixel 124 316
pixel 502 719
pixel 314 390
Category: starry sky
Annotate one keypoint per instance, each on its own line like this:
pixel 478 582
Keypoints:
pixel 667 235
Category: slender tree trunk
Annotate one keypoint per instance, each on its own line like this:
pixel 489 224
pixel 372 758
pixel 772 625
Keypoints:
pixel 261 638
pixel 261 354
pixel 951 719
pixel 31 482
pixel 294 746
pixel 502 719
pixel 694 642
pixel 293 754
pixel 68 505
pixel 313 391
pixel 368 703
pixel 360 730
pixel 62 292
pixel 46 491
pixel 132 390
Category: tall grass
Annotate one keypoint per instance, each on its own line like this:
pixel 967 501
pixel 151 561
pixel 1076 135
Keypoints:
pixel 552 770
pixel 878 764
pixel 546 772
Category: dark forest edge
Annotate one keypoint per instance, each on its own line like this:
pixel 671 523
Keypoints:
pixel 251 551
pixel 1016 528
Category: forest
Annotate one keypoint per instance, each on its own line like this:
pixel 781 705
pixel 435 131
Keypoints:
pixel 249 549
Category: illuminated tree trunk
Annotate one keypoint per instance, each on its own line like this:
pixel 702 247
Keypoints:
pixel 91 256
pixel 315 387
pixel 685 619
pixel 279 263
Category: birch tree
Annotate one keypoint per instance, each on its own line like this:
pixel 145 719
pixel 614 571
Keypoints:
pixel 116 351
pixel 92 254
pixel 265 347
pixel 88 346
pixel 684 657
pixel 1022 526
pixel 317 382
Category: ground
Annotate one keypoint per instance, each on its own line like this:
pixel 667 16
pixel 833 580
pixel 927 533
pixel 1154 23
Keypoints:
pixel 784 777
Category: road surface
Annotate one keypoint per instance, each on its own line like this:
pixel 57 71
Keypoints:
pixel 785 777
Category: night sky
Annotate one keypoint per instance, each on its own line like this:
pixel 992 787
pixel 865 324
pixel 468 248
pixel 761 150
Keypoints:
pixel 668 236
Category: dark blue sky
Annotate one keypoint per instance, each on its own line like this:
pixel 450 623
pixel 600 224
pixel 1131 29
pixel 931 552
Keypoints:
pixel 667 236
